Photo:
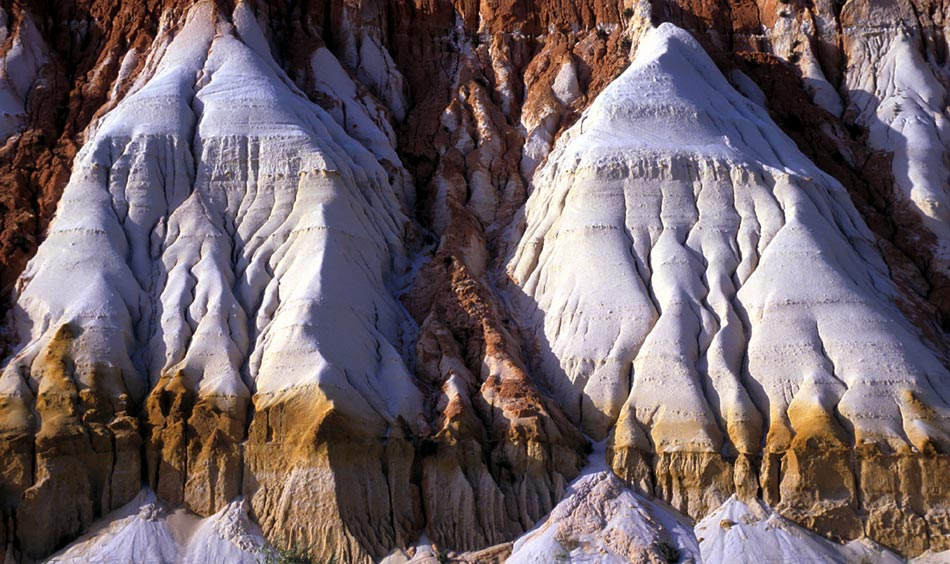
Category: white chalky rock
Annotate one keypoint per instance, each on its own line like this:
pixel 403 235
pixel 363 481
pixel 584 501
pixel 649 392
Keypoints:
pixel 687 270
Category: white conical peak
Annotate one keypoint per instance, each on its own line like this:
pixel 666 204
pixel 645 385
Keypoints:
pixel 676 239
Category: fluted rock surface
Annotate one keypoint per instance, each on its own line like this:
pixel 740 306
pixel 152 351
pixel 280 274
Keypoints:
pixel 730 270
pixel 372 275
pixel 174 276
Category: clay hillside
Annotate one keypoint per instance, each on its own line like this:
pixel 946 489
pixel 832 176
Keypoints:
pixel 525 281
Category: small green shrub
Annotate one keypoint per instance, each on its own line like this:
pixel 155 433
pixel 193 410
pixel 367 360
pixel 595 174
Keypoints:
pixel 602 34
pixel 627 13
pixel 282 552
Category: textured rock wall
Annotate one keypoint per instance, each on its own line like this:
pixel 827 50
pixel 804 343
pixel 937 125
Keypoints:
pixel 736 273
pixel 286 231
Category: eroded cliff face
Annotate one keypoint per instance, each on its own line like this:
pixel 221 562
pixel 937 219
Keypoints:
pixel 741 276
pixel 385 269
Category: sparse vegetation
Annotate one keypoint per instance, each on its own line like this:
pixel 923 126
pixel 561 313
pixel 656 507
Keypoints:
pixel 283 552
pixel 442 557
pixel 669 552
pixel 602 34
pixel 627 13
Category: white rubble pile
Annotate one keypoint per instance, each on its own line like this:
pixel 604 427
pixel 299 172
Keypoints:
pixel 601 520
pixel 146 531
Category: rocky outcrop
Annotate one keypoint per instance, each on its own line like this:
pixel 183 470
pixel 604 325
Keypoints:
pixel 344 258
pixel 80 452
pixel 713 282
pixel 61 67
pixel 601 519
pixel 181 292
pixel 196 206
pixel 752 532
pixel 855 121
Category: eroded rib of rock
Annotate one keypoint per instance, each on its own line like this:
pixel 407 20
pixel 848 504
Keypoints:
pixel 693 280
pixel 23 56
pixel 897 88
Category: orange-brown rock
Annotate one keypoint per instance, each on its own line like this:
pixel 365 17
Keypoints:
pixel 193 445
pixel 84 459
pixel 340 486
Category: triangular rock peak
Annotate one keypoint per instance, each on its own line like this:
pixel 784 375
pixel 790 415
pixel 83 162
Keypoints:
pixel 704 295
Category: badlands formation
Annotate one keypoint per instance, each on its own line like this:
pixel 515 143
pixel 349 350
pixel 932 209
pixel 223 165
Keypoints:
pixel 445 280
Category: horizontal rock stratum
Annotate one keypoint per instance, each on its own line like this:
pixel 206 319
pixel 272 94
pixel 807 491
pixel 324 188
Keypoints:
pixel 425 281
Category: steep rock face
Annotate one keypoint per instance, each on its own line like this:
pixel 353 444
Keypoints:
pixel 182 234
pixel 897 88
pixel 23 58
pixel 70 61
pixel 225 225
pixel 237 226
pixel 875 74
pixel 732 270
